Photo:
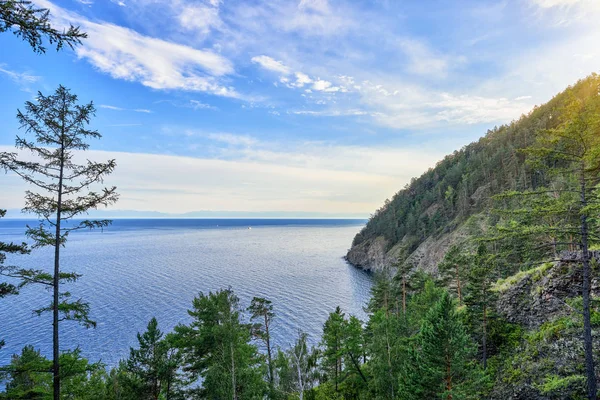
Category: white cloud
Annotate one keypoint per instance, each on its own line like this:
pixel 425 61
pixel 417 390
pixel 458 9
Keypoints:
pixel 198 105
pixel 20 78
pixel 324 86
pixel 235 140
pixel 422 60
pixel 302 79
pixel 115 108
pixel 558 3
pixel 200 18
pixel 271 64
pixel 156 63
pixel 317 178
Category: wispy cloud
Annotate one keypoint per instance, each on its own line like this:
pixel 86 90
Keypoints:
pixel 159 64
pixel 271 64
pixel 114 108
pixel 22 79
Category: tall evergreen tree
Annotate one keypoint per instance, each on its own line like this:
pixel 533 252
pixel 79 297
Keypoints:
pixel 146 362
pixel 442 362
pixel 59 126
pixel 453 271
pixel 480 298
pixel 262 309
pixel 332 342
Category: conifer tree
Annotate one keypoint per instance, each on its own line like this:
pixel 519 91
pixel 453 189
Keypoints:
pixel 58 125
pixel 216 347
pixel 32 24
pixel 333 350
pixel 452 271
pixel 262 309
pixel 563 209
pixel 480 298
pixel 442 360
pixel 146 362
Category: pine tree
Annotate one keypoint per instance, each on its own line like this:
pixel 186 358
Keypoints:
pixel 32 24
pixel 59 126
pixel 262 309
pixel 216 347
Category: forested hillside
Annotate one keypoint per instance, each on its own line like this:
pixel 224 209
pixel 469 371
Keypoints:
pixel 437 203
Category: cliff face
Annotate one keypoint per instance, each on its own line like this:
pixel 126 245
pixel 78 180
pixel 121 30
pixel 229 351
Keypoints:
pixel 545 303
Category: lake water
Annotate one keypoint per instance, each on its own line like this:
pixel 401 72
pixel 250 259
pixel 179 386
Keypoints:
pixel 137 269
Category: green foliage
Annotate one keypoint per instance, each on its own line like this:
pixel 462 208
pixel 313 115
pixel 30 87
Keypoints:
pixel 32 24
pixel 29 377
pixel 216 347
pixel 441 358
pixel 151 371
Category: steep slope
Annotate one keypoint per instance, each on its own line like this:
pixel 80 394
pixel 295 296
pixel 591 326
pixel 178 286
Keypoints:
pixel 450 201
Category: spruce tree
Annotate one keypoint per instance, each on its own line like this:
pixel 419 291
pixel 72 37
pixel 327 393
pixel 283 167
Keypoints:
pixel 58 125
pixel 442 360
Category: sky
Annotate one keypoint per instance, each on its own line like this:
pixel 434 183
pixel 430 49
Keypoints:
pixel 313 107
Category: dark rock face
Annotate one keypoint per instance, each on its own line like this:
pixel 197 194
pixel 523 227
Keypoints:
pixel 540 295
pixel 369 255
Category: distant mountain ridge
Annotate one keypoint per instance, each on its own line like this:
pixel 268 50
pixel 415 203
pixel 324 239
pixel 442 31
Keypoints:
pixel 16 213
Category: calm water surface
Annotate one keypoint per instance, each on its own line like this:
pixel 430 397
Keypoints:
pixel 137 269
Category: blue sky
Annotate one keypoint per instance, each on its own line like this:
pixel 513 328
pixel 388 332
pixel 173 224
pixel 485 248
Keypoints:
pixel 309 106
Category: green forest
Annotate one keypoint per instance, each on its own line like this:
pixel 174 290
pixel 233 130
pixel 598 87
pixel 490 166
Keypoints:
pixel 509 312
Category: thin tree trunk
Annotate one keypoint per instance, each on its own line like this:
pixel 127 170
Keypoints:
pixel 55 279
pixel 299 371
pixel 587 326
pixel 269 352
pixel 357 366
pixel 448 377
pixel 404 295
pixel 458 286
pixel 484 339
pixel 233 393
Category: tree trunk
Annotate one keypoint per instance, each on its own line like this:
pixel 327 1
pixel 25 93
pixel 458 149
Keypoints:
pixel 299 371
pixel 233 390
pixel 458 286
pixel 587 326
pixel 269 353
pixel 404 295
pixel 55 278
pixel 484 339
pixel 448 378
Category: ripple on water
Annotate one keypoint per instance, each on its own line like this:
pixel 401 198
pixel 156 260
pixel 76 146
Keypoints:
pixel 132 273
